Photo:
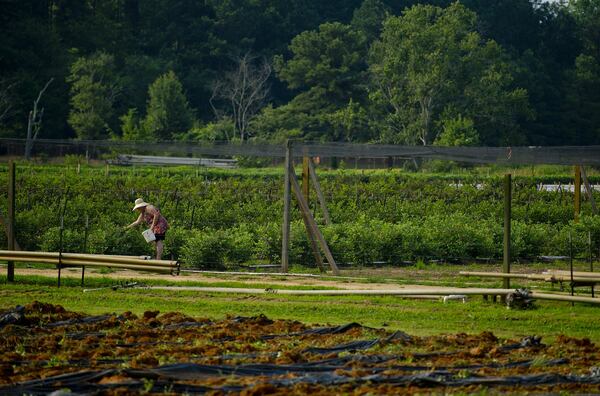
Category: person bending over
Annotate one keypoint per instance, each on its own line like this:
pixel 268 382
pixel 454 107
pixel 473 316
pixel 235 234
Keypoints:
pixel 156 221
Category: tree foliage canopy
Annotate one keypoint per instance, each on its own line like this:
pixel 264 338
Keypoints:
pixel 409 71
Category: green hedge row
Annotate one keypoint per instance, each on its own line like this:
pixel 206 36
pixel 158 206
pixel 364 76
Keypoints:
pixel 222 217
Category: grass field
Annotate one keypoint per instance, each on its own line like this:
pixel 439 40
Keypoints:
pixel 548 319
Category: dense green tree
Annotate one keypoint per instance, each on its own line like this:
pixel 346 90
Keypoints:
pixel 180 35
pixel 94 87
pixel 327 67
pixel 432 64
pixel 550 49
pixel 30 54
pixel 168 112
pixel 582 115
pixel 369 17
pixel 131 128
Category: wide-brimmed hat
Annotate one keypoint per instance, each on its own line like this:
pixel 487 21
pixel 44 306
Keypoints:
pixel 139 203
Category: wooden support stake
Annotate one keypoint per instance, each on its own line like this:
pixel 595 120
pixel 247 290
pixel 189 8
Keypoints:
pixel 312 224
pixel 588 188
pixel 306 180
pixel 577 192
pixel 311 237
pixel 320 196
pixel 507 219
pixel 10 275
pixel 285 240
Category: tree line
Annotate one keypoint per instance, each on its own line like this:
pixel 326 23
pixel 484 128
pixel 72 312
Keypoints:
pixel 474 72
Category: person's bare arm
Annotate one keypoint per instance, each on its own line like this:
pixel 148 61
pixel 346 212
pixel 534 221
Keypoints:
pixel 138 221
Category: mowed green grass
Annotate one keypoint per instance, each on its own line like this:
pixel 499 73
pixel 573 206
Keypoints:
pixel 417 317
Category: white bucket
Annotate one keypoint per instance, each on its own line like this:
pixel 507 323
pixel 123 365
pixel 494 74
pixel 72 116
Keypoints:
pixel 149 235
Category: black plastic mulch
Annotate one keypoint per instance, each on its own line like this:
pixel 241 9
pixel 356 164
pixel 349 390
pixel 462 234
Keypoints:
pixel 167 377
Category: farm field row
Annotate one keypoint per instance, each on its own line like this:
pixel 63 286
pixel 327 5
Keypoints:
pixel 223 218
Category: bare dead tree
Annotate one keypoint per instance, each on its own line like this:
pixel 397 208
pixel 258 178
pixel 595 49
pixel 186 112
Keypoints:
pixel 34 122
pixel 6 99
pixel 242 92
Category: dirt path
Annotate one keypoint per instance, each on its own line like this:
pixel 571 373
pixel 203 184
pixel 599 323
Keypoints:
pixel 121 275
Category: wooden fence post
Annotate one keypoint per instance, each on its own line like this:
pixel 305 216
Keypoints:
pixel 577 192
pixel 285 240
pixel 507 219
pixel 10 275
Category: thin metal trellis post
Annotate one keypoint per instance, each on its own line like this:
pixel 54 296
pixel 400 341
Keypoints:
pixel 571 265
pixel 577 190
pixel 85 242
pixel 285 240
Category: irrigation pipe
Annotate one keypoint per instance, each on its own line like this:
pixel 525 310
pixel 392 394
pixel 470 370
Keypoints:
pixel 28 256
pixel 68 262
pixel 87 263
pixel 269 273
pixel 391 292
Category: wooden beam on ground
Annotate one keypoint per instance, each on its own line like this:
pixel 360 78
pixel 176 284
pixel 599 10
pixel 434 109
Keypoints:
pixel 312 224
pixel 541 277
pixel 588 188
pixel 320 196
pixel 579 274
pixel 10 274
pixel 391 292
pixel 275 274
pixel 285 238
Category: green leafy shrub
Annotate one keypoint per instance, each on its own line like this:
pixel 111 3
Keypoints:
pixel 109 238
pixel 268 242
pixel 457 236
pixel 239 244
pixel 175 239
pixel 205 249
pixel 72 240
pixel 529 240
pixel 377 215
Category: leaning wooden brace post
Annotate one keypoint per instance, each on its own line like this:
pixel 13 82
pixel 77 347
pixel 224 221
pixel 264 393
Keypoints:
pixel 320 196
pixel 588 188
pixel 306 180
pixel 312 224
pixel 507 217
pixel 312 238
pixel 285 240
pixel 10 275
pixel 577 192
